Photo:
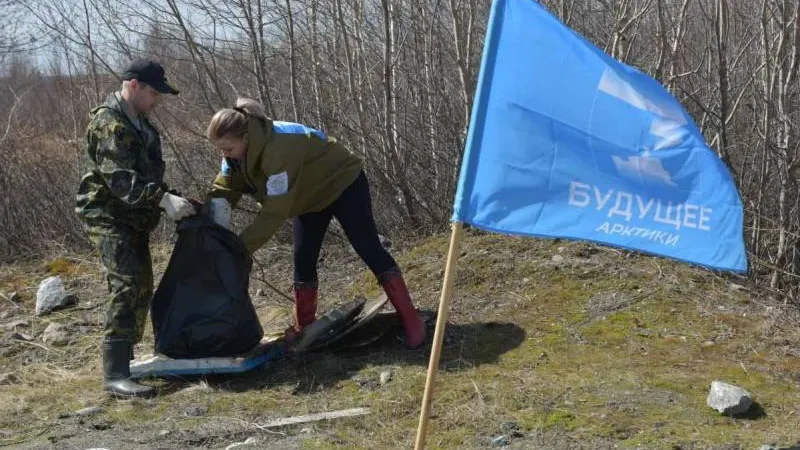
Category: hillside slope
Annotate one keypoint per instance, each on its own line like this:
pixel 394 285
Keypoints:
pixel 552 344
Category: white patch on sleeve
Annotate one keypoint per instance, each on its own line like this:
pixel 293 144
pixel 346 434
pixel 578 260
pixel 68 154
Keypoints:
pixel 278 184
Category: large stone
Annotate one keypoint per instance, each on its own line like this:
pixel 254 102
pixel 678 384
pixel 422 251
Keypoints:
pixel 52 295
pixel 729 399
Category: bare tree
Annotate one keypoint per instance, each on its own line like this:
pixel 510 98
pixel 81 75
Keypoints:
pixel 394 80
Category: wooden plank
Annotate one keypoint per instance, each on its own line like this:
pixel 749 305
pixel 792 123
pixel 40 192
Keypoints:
pixel 354 412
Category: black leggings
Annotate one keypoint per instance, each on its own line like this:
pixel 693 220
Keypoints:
pixel 353 210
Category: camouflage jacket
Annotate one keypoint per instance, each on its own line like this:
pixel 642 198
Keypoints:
pixel 123 170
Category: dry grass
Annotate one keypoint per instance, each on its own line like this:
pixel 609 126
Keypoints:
pixel 600 350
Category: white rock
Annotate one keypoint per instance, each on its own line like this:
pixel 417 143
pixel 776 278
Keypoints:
pixel 90 411
pixel 8 378
pixel 558 259
pixel 52 295
pixel 55 334
pixel 735 287
pixel 500 441
pixel 201 386
pixel 251 441
pixel 386 377
pixel 729 399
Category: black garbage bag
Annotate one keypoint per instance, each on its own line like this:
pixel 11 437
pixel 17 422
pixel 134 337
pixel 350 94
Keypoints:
pixel 201 307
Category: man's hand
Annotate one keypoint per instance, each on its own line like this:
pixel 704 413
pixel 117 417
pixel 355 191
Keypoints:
pixel 176 207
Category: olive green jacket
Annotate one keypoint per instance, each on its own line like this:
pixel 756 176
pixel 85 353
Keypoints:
pixel 290 170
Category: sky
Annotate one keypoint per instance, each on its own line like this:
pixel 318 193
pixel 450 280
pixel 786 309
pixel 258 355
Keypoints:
pixel 48 51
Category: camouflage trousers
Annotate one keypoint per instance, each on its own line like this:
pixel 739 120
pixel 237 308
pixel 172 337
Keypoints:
pixel 125 255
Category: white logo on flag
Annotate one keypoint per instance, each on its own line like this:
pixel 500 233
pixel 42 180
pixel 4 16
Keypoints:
pixel 642 166
pixel 667 129
pixel 612 84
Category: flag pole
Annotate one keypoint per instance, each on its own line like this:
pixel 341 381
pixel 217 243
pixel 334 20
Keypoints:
pixel 438 335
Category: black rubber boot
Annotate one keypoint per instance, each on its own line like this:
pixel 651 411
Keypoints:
pixel 117 370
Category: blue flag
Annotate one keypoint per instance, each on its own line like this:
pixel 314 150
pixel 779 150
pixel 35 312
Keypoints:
pixel 565 141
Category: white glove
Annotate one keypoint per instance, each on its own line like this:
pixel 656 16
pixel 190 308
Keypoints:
pixel 220 210
pixel 176 207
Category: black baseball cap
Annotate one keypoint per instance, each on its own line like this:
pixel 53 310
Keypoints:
pixel 149 72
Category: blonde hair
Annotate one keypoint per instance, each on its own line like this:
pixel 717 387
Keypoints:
pixel 233 121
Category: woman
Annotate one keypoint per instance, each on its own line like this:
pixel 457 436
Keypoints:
pixel 296 171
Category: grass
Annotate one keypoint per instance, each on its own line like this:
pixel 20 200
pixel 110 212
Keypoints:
pixel 593 346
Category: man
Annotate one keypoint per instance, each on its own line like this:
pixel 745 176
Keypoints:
pixel 119 200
